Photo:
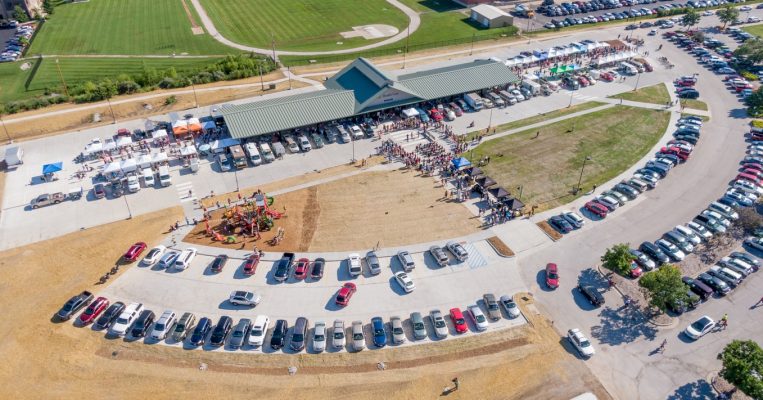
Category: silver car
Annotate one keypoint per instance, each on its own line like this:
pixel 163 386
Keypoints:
pixel 319 337
pixel 458 251
pixel 337 334
pixel 419 329
pixel 438 323
pixel 238 336
pixel 406 261
pixel 398 334
pixel 439 255
pixel 510 306
pixel 373 263
pixel 493 310
pixel 358 338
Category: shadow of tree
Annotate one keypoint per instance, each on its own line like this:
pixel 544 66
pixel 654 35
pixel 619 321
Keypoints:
pixel 697 390
pixel 592 277
pixel 622 325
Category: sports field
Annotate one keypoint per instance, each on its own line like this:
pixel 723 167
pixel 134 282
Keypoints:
pixel 300 24
pixel 134 27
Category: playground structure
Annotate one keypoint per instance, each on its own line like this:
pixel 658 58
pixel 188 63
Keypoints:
pixel 255 215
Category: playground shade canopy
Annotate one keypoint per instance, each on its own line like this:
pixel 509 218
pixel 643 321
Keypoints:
pixel 51 168
pixel 485 181
pixel 474 171
pixel 461 162
pixel 499 192
pixel 514 204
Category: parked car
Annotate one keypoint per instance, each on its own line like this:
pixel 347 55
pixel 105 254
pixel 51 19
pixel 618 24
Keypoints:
pixel 478 317
pixel 373 263
pixel 405 281
pixel 353 264
pixel 142 323
pixel 185 324
pixel 396 328
pixel 458 251
pixel 337 334
pixel 300 271
pixel 573 219
pixel 457 317
pixel 358 337
pixel 258 330
pixel 134 252
pixel 244 298
pixel 593 295
pixel 439 255
pixel 163 325
pixel 700 327
pixel 345 293
pixel 221 331
pixel 552 276
pixel 438 323
pixel 580 342
pixel 278 339
pixel 168 259
pixel 74 304
pixel 417 324
pixel 720 287
pixel 560 224
pixel 154 255
pixel 238 336
pixel 596 209
pixel 218 263
pixel 92 311
pixel 283 267
pixel 200 332
pixel 670 249
pixel 316 272
pixel 107 317
pixel 492 307
pixel 299 334
pixel 643 260
pixel 250 264
pixel 699 288
pixel 183 260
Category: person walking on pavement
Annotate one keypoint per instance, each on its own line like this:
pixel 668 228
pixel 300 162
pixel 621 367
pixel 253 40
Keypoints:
pixel 759 302
pixel 725 321
pixel 662 346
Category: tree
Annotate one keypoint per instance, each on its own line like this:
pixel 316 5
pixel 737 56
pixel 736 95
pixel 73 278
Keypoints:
pixel 664 286
pixel 48 6
pixel 749 220
pixel 19 14
pixel 743 367
pixel 690 19
pixel 728 14
pixel 618 258
pixel 751 51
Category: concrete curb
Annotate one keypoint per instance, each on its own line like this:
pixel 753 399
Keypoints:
pixel 498 252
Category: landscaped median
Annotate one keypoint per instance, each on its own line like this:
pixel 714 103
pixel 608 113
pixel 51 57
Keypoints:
pixel 655 94
pixel 543 165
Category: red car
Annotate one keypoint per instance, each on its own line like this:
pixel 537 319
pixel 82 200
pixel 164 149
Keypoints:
pixel 134 252
pixel 93 310
pixel 676 151
pixel 300 272
pixel 747 177
pixel 345 294
pixel 435 114
pixel 583 81
pixel 552 276
pixel 647 67
pixel 685 83
pixel 754 172
pixel 635 271
pixel 755 166
pixel 596 209
pixel 250 265
pixel 606 77
pixel 456 109
pixel 123 132
pixel 458 320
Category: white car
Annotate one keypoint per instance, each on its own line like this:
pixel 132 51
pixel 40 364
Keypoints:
pixel 510 306
pixel 517 95
pixel 183 261
pixel 737 265
pixel 717 216
pixel 353 264
pixel 405 281
pixel 398 334
pixel 573 218
pixel 458 251
pixel 259 330
pixel 133 184
pixel 125 319
pixel 357 133
pixel 670 249
pixel 319 337
pixel 358 338
pixel 478 317
pixel 700 327
pixel 747 187
pixel 755 242
pixel 689 234
pixel 724 210
pixel 609 202
pixel 154 255
pixel 581 342
pixel 163 326
pixel 304 144
pixel 242 298
pixel 700 230
pixel 337 334
pixel 438 323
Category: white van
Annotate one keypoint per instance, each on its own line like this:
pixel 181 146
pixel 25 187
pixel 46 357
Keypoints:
pixel 304 144
pixel 148 177
pixel 253 153
pixel 267 153
pixel 184 259
pixel 125 319
pixel 164 175
pixel 499 102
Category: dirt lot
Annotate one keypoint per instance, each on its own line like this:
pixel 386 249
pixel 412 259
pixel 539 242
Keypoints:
pixel 43 359
pixel 361 211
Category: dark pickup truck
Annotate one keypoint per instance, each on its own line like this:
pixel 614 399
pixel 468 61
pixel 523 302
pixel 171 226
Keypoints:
pixel 284 267
pixel 74 304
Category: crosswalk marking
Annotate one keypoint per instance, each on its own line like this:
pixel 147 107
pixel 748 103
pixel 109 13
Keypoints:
pixel 182 190
pixel 399 138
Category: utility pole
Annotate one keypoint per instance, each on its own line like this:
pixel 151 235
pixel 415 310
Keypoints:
pixel 60 75
pixel 288 72
pixel 472 48
pixel 6 129
pixel 259 66
pixel 273 46
pixel 635 88
pixel 580 179
pixel 114 116
pixel 405 53
pixel 195 99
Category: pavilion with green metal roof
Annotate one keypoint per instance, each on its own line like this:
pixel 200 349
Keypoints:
pixel 362 88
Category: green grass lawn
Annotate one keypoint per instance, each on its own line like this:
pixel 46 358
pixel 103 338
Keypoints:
pixel 756 30
pixel 705 118
pixel 656 94
pixel 548 167
pixel 695 104
pixel 134 27
pixel 12 80
pixel 300 24
pixel 543 117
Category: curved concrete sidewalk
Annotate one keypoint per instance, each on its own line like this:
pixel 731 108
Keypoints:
pixel 212 30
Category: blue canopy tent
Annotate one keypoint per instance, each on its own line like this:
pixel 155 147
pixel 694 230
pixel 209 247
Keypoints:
pixel 51 168
pixel 461 162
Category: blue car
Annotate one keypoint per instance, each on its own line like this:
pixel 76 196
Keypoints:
pixel 560 224
pixel 725 71
pixel 380 337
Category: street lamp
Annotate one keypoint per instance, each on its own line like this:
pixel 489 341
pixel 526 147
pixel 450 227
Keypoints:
pixel 580 179
pixel 520 188
pixel 235 174
pixel 6 130
pixel 571 93
pixel 353 150
pixel 638 78
pixel 128 207
pixel 490 122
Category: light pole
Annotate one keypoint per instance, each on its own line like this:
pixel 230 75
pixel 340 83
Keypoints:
pixel 129 216
pixel 490 122
pixel 6 130
pixel 61 76
pixel 580 179
pixel 638 78
pixel 571 93
pixel 114 116
pixel 195 99
pixel 235 174
pixel 353 150
pixel 520 188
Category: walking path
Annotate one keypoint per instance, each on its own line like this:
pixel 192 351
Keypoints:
pixel 212 30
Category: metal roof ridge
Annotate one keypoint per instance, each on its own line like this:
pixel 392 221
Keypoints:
pixel 267 103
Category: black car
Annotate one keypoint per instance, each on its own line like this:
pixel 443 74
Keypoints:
pixel 626 191
pixel 144 321
pixel 698 287
pixel 593 295
pixel 222 329
pixel 74 304
pixel 653 251
pixel 108 316
pixel 318 265
pixel 718 285
pixel 278 339
pixel 688 94
pixel 99 191
pixel 199 335
pixel 661 173
pixel 560 224
pixel 283 267
pixel 218 263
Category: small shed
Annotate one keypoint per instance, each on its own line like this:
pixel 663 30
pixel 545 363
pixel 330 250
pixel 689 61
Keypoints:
pixel 490 16
pixel 14 156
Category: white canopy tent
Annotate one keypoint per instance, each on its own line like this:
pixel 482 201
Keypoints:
pixel 188 151
pixel 112 168
pixel 94 146
pixel 144 161
pixel 109 144
pixel 159 158
pixel 123 141
pixel 128 165
pixel 410 112
pixel 159 134
pixel 220 145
